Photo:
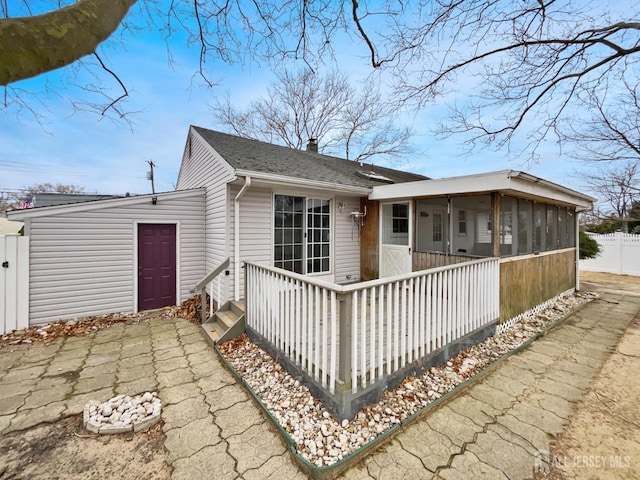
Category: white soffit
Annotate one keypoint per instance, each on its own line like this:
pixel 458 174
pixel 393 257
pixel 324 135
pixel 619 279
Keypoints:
pixel 505 181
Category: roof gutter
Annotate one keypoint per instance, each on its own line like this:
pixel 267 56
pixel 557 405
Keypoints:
pixel 22 215
pixel 236 238
pixel 555 186
pixel 302 182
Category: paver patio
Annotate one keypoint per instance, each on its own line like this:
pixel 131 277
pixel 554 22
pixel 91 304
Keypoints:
pixel 492 430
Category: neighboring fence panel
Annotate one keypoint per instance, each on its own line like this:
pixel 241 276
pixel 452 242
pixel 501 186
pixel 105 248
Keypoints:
pixel 14 283
pixel 620 254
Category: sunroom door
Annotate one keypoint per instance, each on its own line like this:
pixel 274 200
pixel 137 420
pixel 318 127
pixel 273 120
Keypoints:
pixel 395 239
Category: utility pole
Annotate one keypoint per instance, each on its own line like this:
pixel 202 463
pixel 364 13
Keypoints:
pixel 150 175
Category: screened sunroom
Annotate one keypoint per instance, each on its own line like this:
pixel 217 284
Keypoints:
pixel 463 225
pixel 530 224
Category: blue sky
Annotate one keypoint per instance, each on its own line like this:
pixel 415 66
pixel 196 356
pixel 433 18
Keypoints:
pixel 82 148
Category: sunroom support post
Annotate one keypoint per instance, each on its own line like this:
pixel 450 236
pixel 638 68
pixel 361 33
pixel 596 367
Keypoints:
pixel 576 237
pixel 496 227
pixel 450 225
pixel 344 367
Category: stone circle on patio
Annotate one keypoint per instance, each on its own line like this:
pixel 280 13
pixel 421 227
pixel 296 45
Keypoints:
pixel 123 413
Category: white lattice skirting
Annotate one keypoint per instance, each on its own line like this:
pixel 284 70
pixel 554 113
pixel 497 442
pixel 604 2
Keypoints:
pixel 504 326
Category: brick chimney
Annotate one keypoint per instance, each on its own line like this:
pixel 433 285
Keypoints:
pixel 312 146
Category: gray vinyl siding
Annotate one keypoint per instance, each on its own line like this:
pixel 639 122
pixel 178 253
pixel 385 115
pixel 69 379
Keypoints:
pixel 203 167
pixel 84 262
pixel 256 233
pixel 347 241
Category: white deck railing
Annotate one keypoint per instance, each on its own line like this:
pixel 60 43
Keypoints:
pixel 361 332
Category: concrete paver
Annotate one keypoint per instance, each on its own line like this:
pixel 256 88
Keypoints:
pixel 178 415
pixel 533 435
pixel 456 427
pixel 431 447
pixel 9 405
pixel 392 462
pixel 278 466
pixel 253 447
pixel 476 410
pixel 182 442
pixel 27 418
pixel 238 418
pixel 174 377
pixel 504 454
pixel 469 466
pixel 226 397
pixel 143 384
pixel 212 461
pixel 214 430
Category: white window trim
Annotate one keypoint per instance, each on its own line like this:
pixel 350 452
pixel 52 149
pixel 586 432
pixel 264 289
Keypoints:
pixel 332 228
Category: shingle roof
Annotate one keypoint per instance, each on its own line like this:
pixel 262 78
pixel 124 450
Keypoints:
pixel 253 155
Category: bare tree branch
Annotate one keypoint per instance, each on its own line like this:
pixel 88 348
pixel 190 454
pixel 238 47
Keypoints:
pixel 125 93
pixel 352 124
pixel 613 130
pixel 520 66
pixel 616 187
pixel 34 45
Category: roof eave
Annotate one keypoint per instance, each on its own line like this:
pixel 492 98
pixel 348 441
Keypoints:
pixel 21 215
pixel 504 181
pixel 283 180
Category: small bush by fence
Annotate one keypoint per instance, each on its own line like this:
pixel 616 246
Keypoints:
pixel 620 254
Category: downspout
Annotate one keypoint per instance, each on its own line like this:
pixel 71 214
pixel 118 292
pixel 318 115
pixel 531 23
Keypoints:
pixel 449 224
pixel 577 241
pixel 236 238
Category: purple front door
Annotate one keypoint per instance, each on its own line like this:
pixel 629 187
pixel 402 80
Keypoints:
pixel 156 265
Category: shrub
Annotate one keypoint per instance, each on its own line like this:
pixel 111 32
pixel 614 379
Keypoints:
pixel 589 248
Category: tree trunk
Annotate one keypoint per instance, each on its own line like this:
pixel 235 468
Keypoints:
pixel 30 46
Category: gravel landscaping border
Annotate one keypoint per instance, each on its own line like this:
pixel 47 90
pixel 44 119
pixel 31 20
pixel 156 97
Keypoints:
pixel 323 446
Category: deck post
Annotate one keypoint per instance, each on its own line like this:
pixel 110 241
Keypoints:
pixel 344 367
pixel 246 292
pixel 203 303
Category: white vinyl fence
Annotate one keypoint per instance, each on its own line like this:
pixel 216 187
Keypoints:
pixel 620 254
pixel 14 283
